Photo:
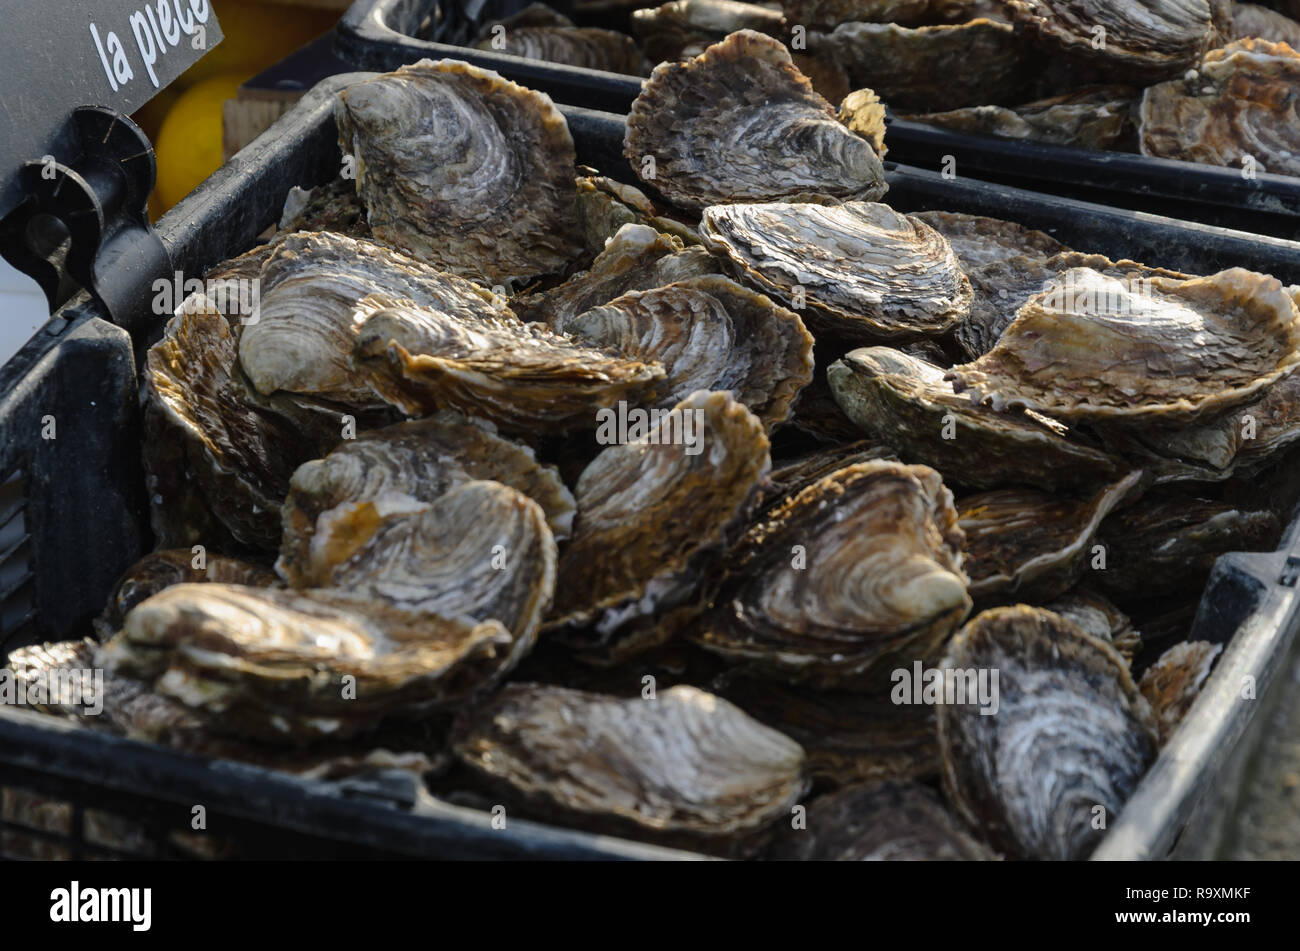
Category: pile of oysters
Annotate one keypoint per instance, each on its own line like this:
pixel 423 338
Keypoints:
pixel 1208 81
pixel 737 512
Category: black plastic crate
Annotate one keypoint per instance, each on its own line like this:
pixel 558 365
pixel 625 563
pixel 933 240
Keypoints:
pixel 72 518
pixel 385 34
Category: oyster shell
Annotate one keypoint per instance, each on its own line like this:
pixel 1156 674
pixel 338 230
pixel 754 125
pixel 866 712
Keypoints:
pixel 880 822
pixel 653 512
pixel 464 169
pixel 863 270
pixel 685 767
pixel 1143 39
pixel 709 333
pixel 403 468
pixel 829 79
pixel 1236 107
pixel 333 206
pixel 931 68
pixel 740 123
pixel 827 13
pixel 1097 616
pixel 1026 545
pixel 1095 347
pixel 270 663
pixel 1172 684
pixel 1252 20
pixel 605 206
pixel 162 569
pixel 522 377
pixel 979 241
pixel 863 112
pixel 858 570
pixel 1071 734
pixel 792 476
pixel 1168 542
pixel 585 46
pixel 896 397
pixel 1098 117
pixel 637 258
pixel 665 31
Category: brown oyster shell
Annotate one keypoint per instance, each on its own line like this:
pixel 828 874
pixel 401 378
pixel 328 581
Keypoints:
pixel 931 68
pixel 311 286
pixel 584 46
pixel 463 168
pixel 864 113
pixel 652 516
pixel 1071 733
pixel 637 258
pixel 979 241
pixel 684 767
pixel 898 398
pixel 1236 106
pixel 1142 39
pixel 1172 684
pixel 522 377
pixel 827 13
pixel 740 123
pixel 880 822
pixel 402 468
pixel 1099 348
pixel 1098 117
pixel 866 271
pixel 666 29
pixel 1027 545
pixel 333 206
pixel 269 663
pixel 605 206
pixel 793 475
pixel 860 569
pixel 1097 616
pixel 1253 20
pixel 709 333
pixel 162 569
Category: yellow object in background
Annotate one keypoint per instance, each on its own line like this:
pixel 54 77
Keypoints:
pixel 184 120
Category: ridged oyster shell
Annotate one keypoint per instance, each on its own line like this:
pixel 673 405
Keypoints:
pixel 864 113
pixel 684 767
pixel 556 40
pixel 896 397
pixel 606 206
pixel 1238 105
pixel 401 468
pixel 1071 734
pixel 652 515
pixel 1252 20
pixel 1026 545
pixel 665 31
pixel 1100 618
pixel 740 123
pixel 826 13
pixel 866 271
pixel 709 333
pixel 859 569
pixel 1172 684
pixel 880 822
pixel 1098 117
pixel 464 169
pixel 1095 347
pixel 522 377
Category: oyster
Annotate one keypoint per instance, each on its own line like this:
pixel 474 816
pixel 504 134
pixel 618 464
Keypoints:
pixel 401 469
pixel 898 398
pixel 1252 20
pixel 817 415
pixel 709 333
pixel 667 30
pixel 848 737
pixel 653 513
pixel 794 475
pixel 1235 110
pixel 880 822
pixel 333 206
pixel 686 767
pixel 1098 117
pixel 312 285
pixel 271 663
pixel 1092 347
pixel 1172 684
pixel 637 258
pixel 827 13
pixel 931 68
pixel 537 32
pixel 605 206
pixel 464 169
pixel 1098 617
pixel 1026 545
pixel 1141 39
pixel 864 113
pixel 162 569
pixel 1167 543
pixel 522 377
pixel 1071 734
pixel 979 241
pixel 859 570
pixel 830 80
pixel 863 270
pixel 740 123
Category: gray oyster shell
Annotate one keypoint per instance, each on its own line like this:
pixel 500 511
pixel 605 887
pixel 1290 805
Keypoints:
pixel 667 31
pixel 863 270
pixel 900 399
pixel 741 123
pixel 1253 20
pixel 1172 684
pixel 1071 734
pixel 1099 617
pixel 1098 117
pixel 685 767
pixel 463 168
pixel 979 241
pixel 709 333
pixel 562 42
